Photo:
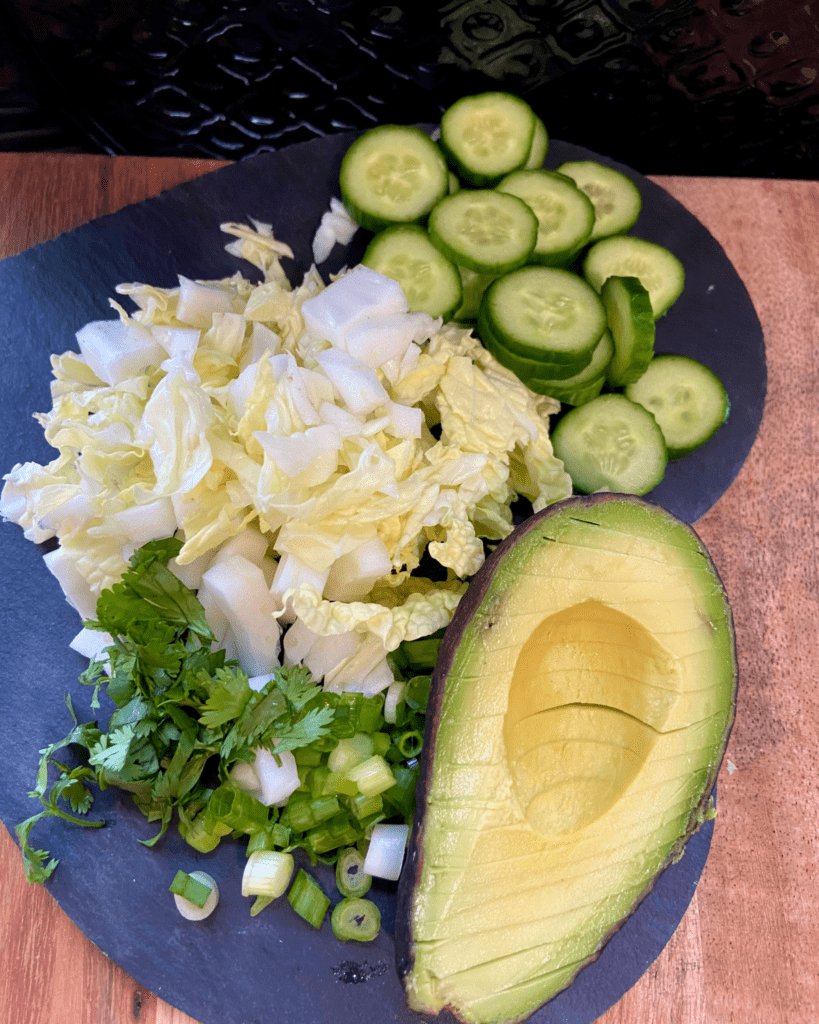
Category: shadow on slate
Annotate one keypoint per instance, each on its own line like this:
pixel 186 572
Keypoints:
pixel 275 969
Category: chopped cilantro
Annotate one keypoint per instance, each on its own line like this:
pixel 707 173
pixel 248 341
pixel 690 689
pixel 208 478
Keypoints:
pixel 184 717
pixel 179 706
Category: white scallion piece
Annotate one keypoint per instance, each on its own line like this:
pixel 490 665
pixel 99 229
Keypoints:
pixel 393 697
pixel 385 854
pixel 189 910
pixel 267 873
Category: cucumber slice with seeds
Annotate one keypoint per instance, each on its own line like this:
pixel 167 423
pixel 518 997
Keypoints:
pixel 544 313
pixel 483 230
pixel 487 135
pixel 392 174
pixel 658 270
pixel 617 201
pixel 631 322
pixel 687 399
pixel 611 444
pixel 565 214
pixel 430 281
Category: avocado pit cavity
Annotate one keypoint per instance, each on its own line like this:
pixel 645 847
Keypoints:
pixel 590 692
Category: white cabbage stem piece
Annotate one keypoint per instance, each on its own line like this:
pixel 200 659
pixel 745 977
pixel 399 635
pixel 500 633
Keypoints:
pixel 118 351
pixel 357 296
pixel 241 592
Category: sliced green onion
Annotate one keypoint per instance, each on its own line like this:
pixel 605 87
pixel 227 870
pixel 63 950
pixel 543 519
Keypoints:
pixel 410 743
pixel 417 695
pixel 363 806
pixel 259 904
pixel 381 743
pixel 267 873
pixel 318 781
pixel 338 832
pixel 229 809
pixel 402 794
pixel 190 889
pixel 307 899
pixel 394 696
pixel 297 814
pixel 307 756
pixel 351 878
pixel 354 919
pixel 193 831
pixel 189 909
pixel 372 776
pixel 366 824
pixel 324 807
pixel 275 835
pixel 421 654
pixel 341 785
pixel 349 752
pixel 385 854
pixel 371 717
pixel 345 721
pixel 324 782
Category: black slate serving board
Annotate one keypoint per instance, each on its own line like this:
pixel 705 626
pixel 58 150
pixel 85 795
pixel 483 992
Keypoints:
pixel 232 969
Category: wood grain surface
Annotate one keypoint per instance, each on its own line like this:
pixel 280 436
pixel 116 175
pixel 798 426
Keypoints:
pixel 745 953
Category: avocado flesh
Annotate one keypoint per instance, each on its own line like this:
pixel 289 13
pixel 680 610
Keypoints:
pixel 580 711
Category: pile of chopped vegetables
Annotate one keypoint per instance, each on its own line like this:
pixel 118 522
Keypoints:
pixel 268 500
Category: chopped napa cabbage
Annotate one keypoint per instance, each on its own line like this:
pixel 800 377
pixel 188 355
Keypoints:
pixel 336 225
pixel 308 444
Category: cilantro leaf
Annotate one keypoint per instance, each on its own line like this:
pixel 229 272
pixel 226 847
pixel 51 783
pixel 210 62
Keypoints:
pixel 229 694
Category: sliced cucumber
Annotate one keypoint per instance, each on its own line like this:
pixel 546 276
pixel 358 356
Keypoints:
pixel 539 147
pixel 611 444
pixel 688 401
pixel 631 322
pixel 583 386
pixel 565 214
pixel 487 135
pixel 658 270
pixel 528 368
pixel 392 174
pixel 579 395
pixel 483 230
pixel 544 313
pixel 617 200
pixel 430 281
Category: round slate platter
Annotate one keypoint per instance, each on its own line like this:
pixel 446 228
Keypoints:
pixel 231 968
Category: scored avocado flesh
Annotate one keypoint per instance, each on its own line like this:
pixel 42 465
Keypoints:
pixel 588 696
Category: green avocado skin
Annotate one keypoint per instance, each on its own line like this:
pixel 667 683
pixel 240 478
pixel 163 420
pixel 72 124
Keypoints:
pixel 584 572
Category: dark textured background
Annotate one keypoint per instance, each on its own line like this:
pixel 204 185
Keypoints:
pixel 709 87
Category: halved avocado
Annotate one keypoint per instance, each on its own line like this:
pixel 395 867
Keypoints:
pixel 580 710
